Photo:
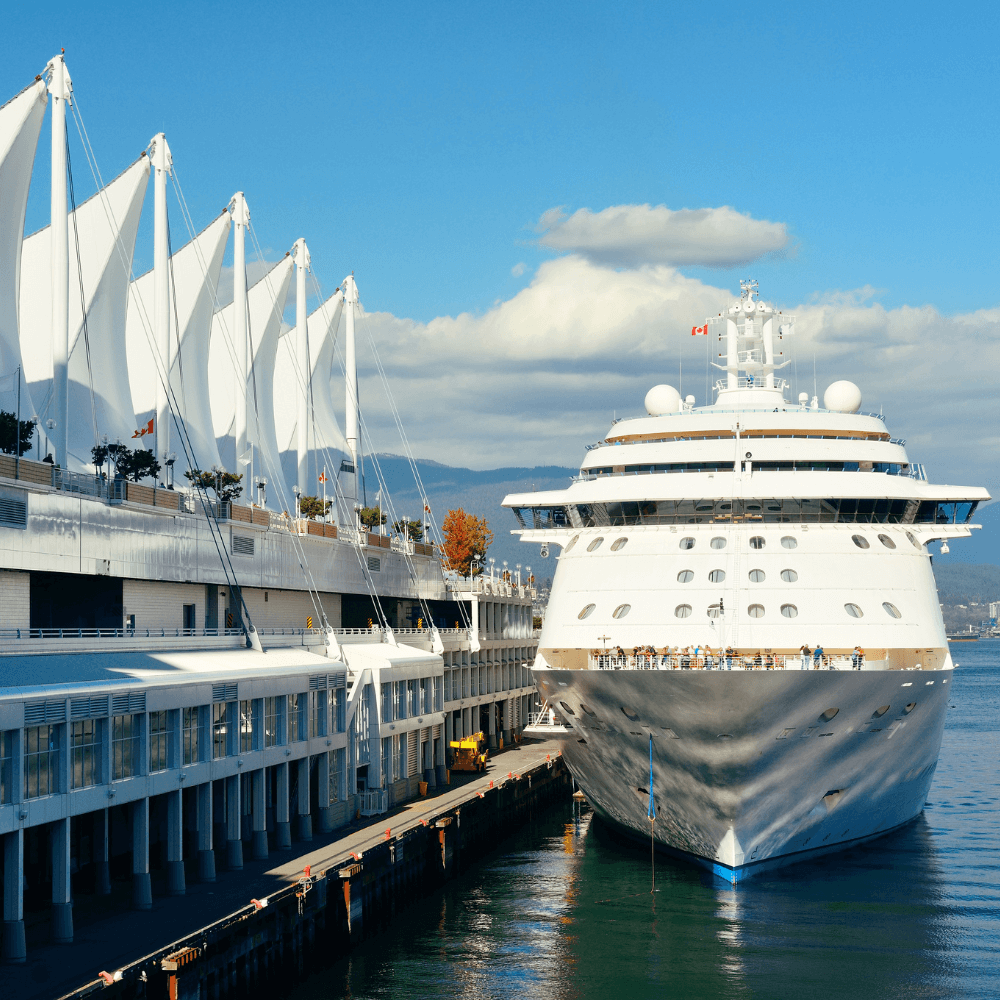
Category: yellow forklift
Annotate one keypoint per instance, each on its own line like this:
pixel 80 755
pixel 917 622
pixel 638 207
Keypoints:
pixel 469 754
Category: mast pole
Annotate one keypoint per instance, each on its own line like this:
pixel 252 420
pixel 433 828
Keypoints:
pixel 161 161
pixel 351 404
pixel 241 342
pixel 60 88
pixel 301 254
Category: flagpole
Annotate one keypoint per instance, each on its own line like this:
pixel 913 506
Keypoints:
pixel 17 429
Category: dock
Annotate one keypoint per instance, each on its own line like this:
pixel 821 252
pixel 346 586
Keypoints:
pixel 279 921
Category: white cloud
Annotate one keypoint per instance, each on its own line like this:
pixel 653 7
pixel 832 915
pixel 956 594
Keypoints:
pixel 518 269
pixel 632 235
pixel 539 375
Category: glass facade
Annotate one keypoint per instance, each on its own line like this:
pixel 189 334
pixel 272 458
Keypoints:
pixel 85 748
pixel 125 743
pixel 41 761
pixel 190 735
pixel 157 741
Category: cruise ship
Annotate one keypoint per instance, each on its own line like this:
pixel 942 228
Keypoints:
pixel 744 638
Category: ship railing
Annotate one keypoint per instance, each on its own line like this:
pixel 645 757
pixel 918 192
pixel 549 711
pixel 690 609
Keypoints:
pixel 144 633
pixel 720 661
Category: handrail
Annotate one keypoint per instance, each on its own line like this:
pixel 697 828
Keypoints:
pixel 720 661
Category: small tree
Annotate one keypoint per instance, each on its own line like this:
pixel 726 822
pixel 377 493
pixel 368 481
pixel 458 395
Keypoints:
pixel 413 530
pixel 112 454
pixel 372 517
pixel 226 486
pixel 313 507
pixel 465 536
pixel 137 465
pixel 23 433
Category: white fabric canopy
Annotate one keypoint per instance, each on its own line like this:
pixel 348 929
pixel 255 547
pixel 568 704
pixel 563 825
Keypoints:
pixel 265 305
pixel 20 125
pixel 194 278
pixel 106 226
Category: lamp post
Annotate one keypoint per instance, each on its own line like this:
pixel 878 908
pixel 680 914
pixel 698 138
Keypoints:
pixel 519 574
pixel 298 493
pixel 171 458
pixel 492 561
pixel 262 492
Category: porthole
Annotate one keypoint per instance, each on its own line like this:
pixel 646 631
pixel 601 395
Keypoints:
pixel 687 543
pixel 717 576
pixel 789 575
pixel 630 713
pixel 789 542
pixel 891 609
pixel 887 541
pixel 586 611
pixel 756 542
pixel 682 611
pixel 572 542
pixel 914 542
pixel 789 610
pixel 595 544
pixel 618 543
pixel 910 707
pixel 621 611
pixel 566 708
pixel 854 611
pixel 860 541
pixel 685 576
pixel 756 576
pixel 756 611
pixel 880 711
pixel 829 714
pixel 713 611
pixel 718 542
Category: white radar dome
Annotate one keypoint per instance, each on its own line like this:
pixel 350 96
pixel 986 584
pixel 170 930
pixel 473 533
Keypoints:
pixel 662 399
pixel 842 397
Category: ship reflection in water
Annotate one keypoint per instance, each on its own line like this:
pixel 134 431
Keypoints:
pixel 566 912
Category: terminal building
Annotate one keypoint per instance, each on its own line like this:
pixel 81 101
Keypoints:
pixel 191 676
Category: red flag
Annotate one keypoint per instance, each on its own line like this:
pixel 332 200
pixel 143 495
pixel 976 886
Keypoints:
pixel 143 431
pixel 322 477
pixel 699 329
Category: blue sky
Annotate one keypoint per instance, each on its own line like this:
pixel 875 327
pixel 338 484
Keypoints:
pixel 419 145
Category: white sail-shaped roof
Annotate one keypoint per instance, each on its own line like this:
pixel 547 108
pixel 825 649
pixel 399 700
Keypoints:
pixel 265 305
pixel 20 124
pixel 324 435
pixel 193 280
pixel 106 226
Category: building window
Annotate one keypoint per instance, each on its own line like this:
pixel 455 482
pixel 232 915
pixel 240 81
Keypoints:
pixel 189 619
pixel 6 766
pixel 246 726
pixel 337 774
pixel 340 705
pixel 411 687
pixel 296 705
pixel 400 689
pixel 41 761
pixel 789 542
pixel 687 543
pixel 757 542
pixel 220 729
pixel 317 713
pixel 85 746
pixel 125 746
pixel 385 764
pixel 157 741
pixel 400 770
pixel 272 722
pixel 387 703
pixel 439 694
pixel 718 542
pixel 189 733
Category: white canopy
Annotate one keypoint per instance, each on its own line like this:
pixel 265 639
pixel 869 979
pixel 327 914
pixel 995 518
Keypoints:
pixel 194 278
pixel 20 124
pixel 105 226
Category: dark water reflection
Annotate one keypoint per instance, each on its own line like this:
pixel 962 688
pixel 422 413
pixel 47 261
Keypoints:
pixel 566 911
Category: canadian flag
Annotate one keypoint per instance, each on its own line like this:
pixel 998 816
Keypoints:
pixel 699 329
pixel 143 431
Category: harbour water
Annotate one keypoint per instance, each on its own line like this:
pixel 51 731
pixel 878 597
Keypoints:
pixel 564 910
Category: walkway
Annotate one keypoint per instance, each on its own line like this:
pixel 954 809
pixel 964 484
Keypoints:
pixel 110 935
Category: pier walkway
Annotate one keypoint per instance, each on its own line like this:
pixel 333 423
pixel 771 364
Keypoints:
pixel 110 935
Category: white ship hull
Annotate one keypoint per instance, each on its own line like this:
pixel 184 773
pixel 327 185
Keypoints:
pixel 747 771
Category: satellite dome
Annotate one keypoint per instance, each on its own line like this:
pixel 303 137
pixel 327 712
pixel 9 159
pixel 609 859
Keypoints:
pixel 842 397
pixel 662 399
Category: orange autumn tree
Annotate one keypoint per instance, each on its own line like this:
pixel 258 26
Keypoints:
pixel 465 536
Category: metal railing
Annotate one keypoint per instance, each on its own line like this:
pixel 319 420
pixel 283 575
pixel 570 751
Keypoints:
pixel 721 661
pixel 374 802
pixel 148 633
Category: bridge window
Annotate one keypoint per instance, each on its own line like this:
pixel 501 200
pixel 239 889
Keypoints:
pixel 595 544
pixel 756 611
pixel 892 610
pixel 854 611
pixel 618 543
pixel 887 541
pixel 860 541
pixel 687 543
pixel 685 576
pixel 586 611
pixel 757 576
pixel 682 611
pixel 718 542
pixel 789 542
pixel 717 576
pixel 789 575
pixel 621 611
pixel 757 542
pixel 789 610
